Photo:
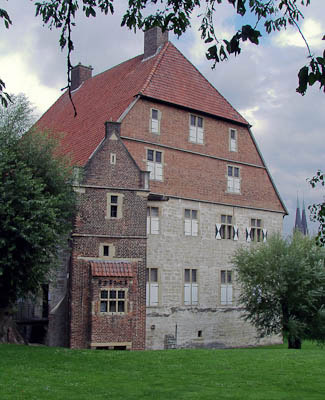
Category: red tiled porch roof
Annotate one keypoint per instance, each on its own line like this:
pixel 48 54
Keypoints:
pixel 111 268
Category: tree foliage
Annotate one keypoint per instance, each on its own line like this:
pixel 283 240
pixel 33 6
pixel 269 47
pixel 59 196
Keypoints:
pixel 283 288
pixel 317 211
pixel 175 15
pixel 36 205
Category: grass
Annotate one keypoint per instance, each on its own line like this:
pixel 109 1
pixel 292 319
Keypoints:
pixel 269 373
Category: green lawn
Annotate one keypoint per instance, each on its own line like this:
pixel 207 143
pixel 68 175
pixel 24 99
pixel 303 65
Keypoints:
pixel 258 373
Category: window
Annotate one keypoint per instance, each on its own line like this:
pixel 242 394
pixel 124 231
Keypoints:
pixel 196 129
pixel 114 205
pixel 190 222
pixel 190 287
pixel 233 183
pixel 113 301
pixel 255 232
pixel 106 250
pixel 233 145
pixel 155 121
pixel 226 229
pixel 113 158
pixel 152 220
pixel 152 287
pixel 226 287
pixel 154 164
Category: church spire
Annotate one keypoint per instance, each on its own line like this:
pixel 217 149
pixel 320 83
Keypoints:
pixel 304 225
pixel 298 224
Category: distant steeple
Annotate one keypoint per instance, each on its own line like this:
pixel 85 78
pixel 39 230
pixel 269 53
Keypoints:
pixel 298 224
pixel 304 225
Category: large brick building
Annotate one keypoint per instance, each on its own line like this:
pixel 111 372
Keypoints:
pixel 150 261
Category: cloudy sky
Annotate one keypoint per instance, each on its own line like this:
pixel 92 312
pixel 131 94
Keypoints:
pixel 260 83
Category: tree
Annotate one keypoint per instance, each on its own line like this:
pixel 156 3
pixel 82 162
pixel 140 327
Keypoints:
pixel 283 288
pixel 317 211
pixel 175 15
pixel 36 210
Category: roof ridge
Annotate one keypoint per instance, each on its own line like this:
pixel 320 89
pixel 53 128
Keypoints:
pixel 155 66
pixel 210 84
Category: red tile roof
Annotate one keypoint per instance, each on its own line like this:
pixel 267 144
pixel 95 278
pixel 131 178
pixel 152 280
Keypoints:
pixel 168 76
pixel 111 268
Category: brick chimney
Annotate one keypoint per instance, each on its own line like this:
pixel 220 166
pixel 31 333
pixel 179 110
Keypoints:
pixel 79 74
pixel 153 39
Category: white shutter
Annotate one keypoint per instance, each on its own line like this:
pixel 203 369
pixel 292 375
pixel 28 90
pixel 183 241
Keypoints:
pixel 233 145
pixel 154 294
pixel 147 295
pixel 159 172
pixel 154 126
pixel 155 225
pixel 229 294
pixel 230 184
pixel 187 227
pixel 248 234
pixel 235 232
pixel 192 133
pixel 195 227
pixel 150 168
pixel 187 294
pixel 218 229
pixel 200 135
pixel 223 299
pixel 195 293
pixel 264 235
pixel 148 225
pixel 236 185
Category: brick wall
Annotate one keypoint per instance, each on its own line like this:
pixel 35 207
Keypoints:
pixel 126 238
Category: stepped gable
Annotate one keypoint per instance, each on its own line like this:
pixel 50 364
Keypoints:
pixel 167 76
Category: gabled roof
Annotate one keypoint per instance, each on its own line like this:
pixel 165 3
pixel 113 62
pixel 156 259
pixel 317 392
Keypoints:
pixel 168 77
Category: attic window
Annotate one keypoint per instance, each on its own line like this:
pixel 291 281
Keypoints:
pixel 196 129
pixel 113 158
pixel 155 121
pixel 233 143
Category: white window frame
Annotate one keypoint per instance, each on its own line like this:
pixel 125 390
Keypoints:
pixel 233 179
pixel 226 287
pixel 108 300
pixel 191 287
pixel 191 222
pixel 155 122
pixel 196 129
pixel 152 287
pixel 153 166
pixel 153 220
pixel 233 140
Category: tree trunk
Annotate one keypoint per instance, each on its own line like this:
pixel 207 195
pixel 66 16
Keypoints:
pixel 8 329
pixel 294 342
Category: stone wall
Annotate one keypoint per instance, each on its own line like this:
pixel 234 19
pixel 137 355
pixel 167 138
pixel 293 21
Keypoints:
pixel 207 324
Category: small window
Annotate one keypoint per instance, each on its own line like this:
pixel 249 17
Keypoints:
pixel 106 251
pixel 113 158
pixel 155 121
pixel 226 292
pixel 154 164
pixel 190 222
pixel 233 179
pixel 152 287
pixel 190 287
pixel 152 220
pixel 113 301
pixel 233 143
pixel 226 230
pixel 114 205
pixel 196 129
